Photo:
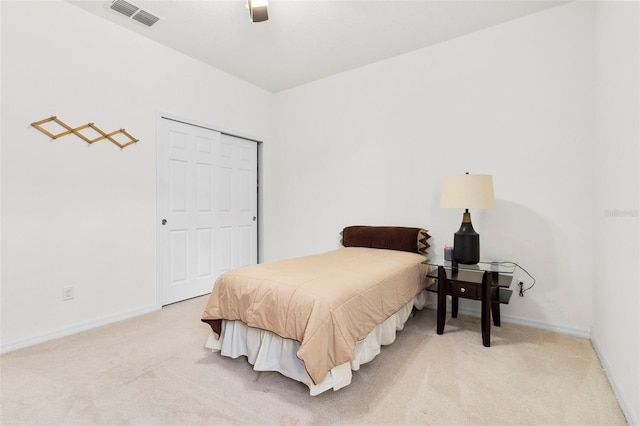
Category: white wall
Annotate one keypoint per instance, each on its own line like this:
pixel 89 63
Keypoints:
pixel 616 322
pixel 368 146
pixel 85 216
pixel 371 146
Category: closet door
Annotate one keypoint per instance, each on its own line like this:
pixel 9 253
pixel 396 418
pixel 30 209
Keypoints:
pixel 237 226
pixel 207 201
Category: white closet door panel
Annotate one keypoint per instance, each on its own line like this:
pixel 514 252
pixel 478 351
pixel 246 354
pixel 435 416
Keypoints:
pixel 178 247
pixel 244 245
pixel 205 252
pixel 224 248
pixel 186 198
pixel 178 186
pixel 204 183
pixel 238 208
pixel 225 189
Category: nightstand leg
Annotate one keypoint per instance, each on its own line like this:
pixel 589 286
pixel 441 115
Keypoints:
pixel 454 306
pixel 486 308
pixel 495 304
pixel 442 299
pixel 495 313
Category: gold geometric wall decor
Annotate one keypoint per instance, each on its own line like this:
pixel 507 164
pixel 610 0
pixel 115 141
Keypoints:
pixel 77 131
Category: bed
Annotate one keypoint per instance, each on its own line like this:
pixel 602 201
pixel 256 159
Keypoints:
pixel 317 318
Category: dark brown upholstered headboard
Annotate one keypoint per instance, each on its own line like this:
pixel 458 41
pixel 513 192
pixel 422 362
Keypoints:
pixel 386 237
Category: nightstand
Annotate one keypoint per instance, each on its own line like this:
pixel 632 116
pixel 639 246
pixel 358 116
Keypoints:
pixel 487 281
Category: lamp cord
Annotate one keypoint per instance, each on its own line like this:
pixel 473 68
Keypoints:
pixel 521 290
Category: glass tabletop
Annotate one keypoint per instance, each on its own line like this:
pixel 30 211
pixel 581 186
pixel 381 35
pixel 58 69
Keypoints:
pixel 483 265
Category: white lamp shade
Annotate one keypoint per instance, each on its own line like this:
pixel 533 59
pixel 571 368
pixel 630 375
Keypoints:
pixel 467 192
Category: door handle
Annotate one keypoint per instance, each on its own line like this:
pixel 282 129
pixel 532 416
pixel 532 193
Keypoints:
pixel 164 221
pixel 254 218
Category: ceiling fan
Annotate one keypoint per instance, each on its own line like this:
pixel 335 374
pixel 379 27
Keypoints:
pixel 258 10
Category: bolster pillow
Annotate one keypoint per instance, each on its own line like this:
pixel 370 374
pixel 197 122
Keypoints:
pixel 386 237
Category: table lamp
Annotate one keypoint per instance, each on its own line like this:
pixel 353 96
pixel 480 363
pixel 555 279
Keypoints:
pixel 467 192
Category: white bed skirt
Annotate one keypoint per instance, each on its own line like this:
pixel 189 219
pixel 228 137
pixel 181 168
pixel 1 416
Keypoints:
pixel 267 351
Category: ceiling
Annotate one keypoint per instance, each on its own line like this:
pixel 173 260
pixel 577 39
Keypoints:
pixel 306 40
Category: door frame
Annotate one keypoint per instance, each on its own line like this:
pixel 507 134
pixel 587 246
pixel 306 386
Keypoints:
pixel 161 115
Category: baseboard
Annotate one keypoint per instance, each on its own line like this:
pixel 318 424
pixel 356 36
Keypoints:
pixel 572 331
pixel 630 416
pixel 76 328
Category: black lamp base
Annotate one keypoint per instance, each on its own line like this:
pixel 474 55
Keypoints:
pixel 466 243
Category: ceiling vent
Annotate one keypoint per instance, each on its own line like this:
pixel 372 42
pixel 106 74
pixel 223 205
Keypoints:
pixel 132 11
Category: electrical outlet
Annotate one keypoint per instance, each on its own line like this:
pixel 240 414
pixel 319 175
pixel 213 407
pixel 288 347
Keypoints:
pixel 67 292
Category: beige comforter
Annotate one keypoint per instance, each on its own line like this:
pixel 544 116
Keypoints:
pixel 327 302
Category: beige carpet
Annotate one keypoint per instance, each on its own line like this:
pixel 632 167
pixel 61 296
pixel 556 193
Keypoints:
pixel 153 370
